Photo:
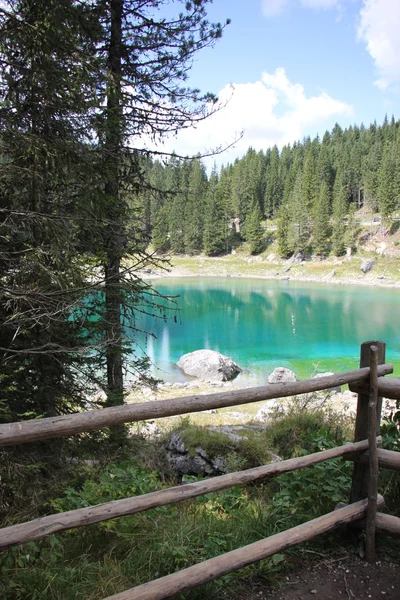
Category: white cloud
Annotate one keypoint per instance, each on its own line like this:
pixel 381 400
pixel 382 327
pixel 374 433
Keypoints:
pixel 270 111
pixel 320 3
pixel 272 8
pixel 379 28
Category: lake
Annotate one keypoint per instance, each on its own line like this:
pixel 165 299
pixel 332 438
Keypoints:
pixel 262 324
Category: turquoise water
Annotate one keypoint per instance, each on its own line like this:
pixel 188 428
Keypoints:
pixel 263 324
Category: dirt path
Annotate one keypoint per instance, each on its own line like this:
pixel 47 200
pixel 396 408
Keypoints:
pixel 333 579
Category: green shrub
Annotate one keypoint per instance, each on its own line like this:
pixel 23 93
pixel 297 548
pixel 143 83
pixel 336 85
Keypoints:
pixel 304 429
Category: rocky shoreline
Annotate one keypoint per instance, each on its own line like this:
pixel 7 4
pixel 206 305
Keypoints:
pixel 265 268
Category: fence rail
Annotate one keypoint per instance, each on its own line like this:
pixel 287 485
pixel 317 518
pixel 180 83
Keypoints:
pixel 44 526
pixel 364 501
pixel 66 425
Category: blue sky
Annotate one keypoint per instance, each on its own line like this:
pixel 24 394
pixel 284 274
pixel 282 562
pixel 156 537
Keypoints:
pixel 296 67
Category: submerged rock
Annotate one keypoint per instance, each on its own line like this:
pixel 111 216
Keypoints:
pixel 209 365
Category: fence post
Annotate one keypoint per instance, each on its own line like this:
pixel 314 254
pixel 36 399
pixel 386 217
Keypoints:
pixel 359 488
pixel 372 459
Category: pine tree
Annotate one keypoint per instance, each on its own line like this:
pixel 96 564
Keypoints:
pixel 194 208
pixel 273 184
pixel 283 231
pixel 254 230
pixel 299 232
pixel 340 209
pixel 310 183
pixel 388 190
pixel 44 118
pixel 321 227
pixel 215 236
pixel 150 54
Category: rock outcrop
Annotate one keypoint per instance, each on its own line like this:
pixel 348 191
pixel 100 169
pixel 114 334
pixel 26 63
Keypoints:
pixel 208 365
pixel 192 461
pixel 187 459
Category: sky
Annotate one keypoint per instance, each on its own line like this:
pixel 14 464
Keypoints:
pixel 292 68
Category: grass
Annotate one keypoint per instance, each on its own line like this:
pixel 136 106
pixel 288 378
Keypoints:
pixel 101 560
pixel 244 266
pixel 268 264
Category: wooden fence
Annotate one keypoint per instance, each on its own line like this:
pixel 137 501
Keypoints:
pixel 368 381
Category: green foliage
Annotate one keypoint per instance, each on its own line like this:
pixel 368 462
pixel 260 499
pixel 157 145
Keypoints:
pixel 303 429
pixel 113 483
pixel 309 493
pixel 107 558
pixel 254 231
pixel 283 232
pixel 390 430
pixel 321 226
pixel 251 450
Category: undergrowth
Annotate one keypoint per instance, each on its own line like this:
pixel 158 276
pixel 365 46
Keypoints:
pixel 100 560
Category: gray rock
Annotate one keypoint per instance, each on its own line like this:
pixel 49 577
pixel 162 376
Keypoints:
pixel 282 375
pixel 208 365
pixel 193 461
pixel 297 258
pixel 176 444
pixel 150 429
pixel 189 465
pixel 336 389
pixel 330 275
pixel 219 464
pixel 367 265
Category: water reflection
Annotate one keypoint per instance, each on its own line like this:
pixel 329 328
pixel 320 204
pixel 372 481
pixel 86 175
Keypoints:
pixel 262 324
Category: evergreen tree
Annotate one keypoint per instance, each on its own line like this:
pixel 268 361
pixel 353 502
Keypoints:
pixel 340 209
pixel 283 231
pixel 215 236
pixel 310 183
pixel 194 208
pixel 273 184
pixel 321 227
pixel 160 240
pixel 150 54
pixel 44 117
pixel 299 231
pixel 388 190
pixel 254 230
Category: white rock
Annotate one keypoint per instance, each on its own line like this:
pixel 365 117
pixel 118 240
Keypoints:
pixel 282 375
pixel 208 365
pixel 336 388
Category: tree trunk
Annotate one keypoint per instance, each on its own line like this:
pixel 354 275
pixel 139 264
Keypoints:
pixel 115 228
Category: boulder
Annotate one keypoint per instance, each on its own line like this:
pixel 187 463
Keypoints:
pixel 336 389
pixel 282 375
pixel 195 460
pixel 298 258
pixel 208 365
pixel 367 265
pixel 191 461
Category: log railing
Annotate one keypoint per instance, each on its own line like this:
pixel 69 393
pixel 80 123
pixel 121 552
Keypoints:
pixel 367 381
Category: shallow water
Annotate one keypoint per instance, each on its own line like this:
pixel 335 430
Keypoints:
pixel 263 324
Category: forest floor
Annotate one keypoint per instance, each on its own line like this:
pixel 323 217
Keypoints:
pixel 332 578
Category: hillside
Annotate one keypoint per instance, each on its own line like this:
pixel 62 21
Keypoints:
pixel 372 242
